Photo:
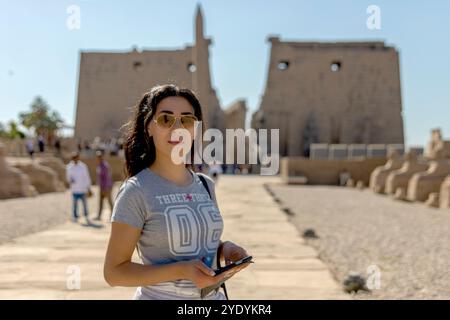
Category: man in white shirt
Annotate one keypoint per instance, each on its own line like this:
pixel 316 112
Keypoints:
pixel 30 147
pixel 77 175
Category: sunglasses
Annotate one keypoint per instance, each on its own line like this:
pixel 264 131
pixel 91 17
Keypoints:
pixel 167 120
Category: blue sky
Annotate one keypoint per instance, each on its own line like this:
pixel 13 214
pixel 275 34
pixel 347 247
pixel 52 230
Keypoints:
pixel 39 54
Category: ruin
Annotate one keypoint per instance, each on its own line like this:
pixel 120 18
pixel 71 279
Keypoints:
pixel 422 184
pixel 444 194
pixel 43 178
pixel 418 176
pixel 14 183
pixel 331 92
pixel 437 145
pixel 301 170
pixel 110 83
pixel 57 165
pixel 398 179
pixel 380 174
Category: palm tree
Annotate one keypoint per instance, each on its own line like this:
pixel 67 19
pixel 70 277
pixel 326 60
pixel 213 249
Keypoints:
pixel 12 132
pixel 3 133
pixel 42 120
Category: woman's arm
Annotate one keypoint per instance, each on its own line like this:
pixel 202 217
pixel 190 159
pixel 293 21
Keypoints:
pixel 120 271
pixel 220 250
pixel 229 252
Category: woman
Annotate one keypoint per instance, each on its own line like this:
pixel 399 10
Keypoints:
pixel 163 208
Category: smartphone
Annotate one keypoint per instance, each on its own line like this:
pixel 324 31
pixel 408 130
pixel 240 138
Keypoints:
pixel 233 265
pixel 207 290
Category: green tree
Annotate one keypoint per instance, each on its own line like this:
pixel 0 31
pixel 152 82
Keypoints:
pixel 14 131
pixel 11 132
pixel 42 119
pixel 3 133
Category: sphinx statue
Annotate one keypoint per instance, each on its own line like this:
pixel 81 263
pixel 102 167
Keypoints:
pixel 422 184
pixel 379 175
pixel 14 184
pixel 397 180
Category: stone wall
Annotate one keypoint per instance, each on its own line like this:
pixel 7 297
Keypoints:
pixel 110 84
pixel 335 93
pixel 327 172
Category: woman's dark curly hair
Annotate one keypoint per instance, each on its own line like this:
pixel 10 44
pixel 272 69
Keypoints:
pixel 139 146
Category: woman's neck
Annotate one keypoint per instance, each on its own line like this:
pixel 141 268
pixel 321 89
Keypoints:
pixel 176 173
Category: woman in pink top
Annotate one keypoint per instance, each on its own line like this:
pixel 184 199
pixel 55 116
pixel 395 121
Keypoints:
pixel 105 183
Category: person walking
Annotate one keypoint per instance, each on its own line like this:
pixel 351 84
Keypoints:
pixel 41 143
pixel 30 147
pixel 77 175
pixel 57 147
pixel 104 182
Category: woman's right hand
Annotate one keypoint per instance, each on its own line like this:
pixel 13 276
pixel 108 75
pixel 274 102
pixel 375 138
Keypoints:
pixel 200 274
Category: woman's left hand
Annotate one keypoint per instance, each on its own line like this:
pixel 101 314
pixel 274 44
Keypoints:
pixel 232 252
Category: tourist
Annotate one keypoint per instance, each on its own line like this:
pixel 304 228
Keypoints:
pixel 30 147
pixel 215 169
pixel 104 182
pixel 165 209
pixel 114 147
pixel 77 175
pixel 87 149
pixel 41 143
pixel 57 147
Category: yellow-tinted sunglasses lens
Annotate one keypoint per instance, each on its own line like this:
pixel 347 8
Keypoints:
pixel 165 120
pixel 188 121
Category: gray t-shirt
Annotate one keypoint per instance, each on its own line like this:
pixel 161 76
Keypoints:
pixel 178 223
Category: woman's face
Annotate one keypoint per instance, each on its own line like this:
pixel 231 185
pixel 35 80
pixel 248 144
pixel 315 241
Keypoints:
pixel 164 138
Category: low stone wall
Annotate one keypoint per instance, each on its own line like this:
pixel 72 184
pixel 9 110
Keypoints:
pixel 327 172
pixel 15 147
pixel 323 151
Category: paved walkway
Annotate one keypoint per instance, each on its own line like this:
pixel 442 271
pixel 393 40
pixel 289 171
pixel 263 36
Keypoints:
pixel 40 265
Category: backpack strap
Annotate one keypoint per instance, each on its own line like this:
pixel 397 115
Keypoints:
pixel 219 251
pixel 205 184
